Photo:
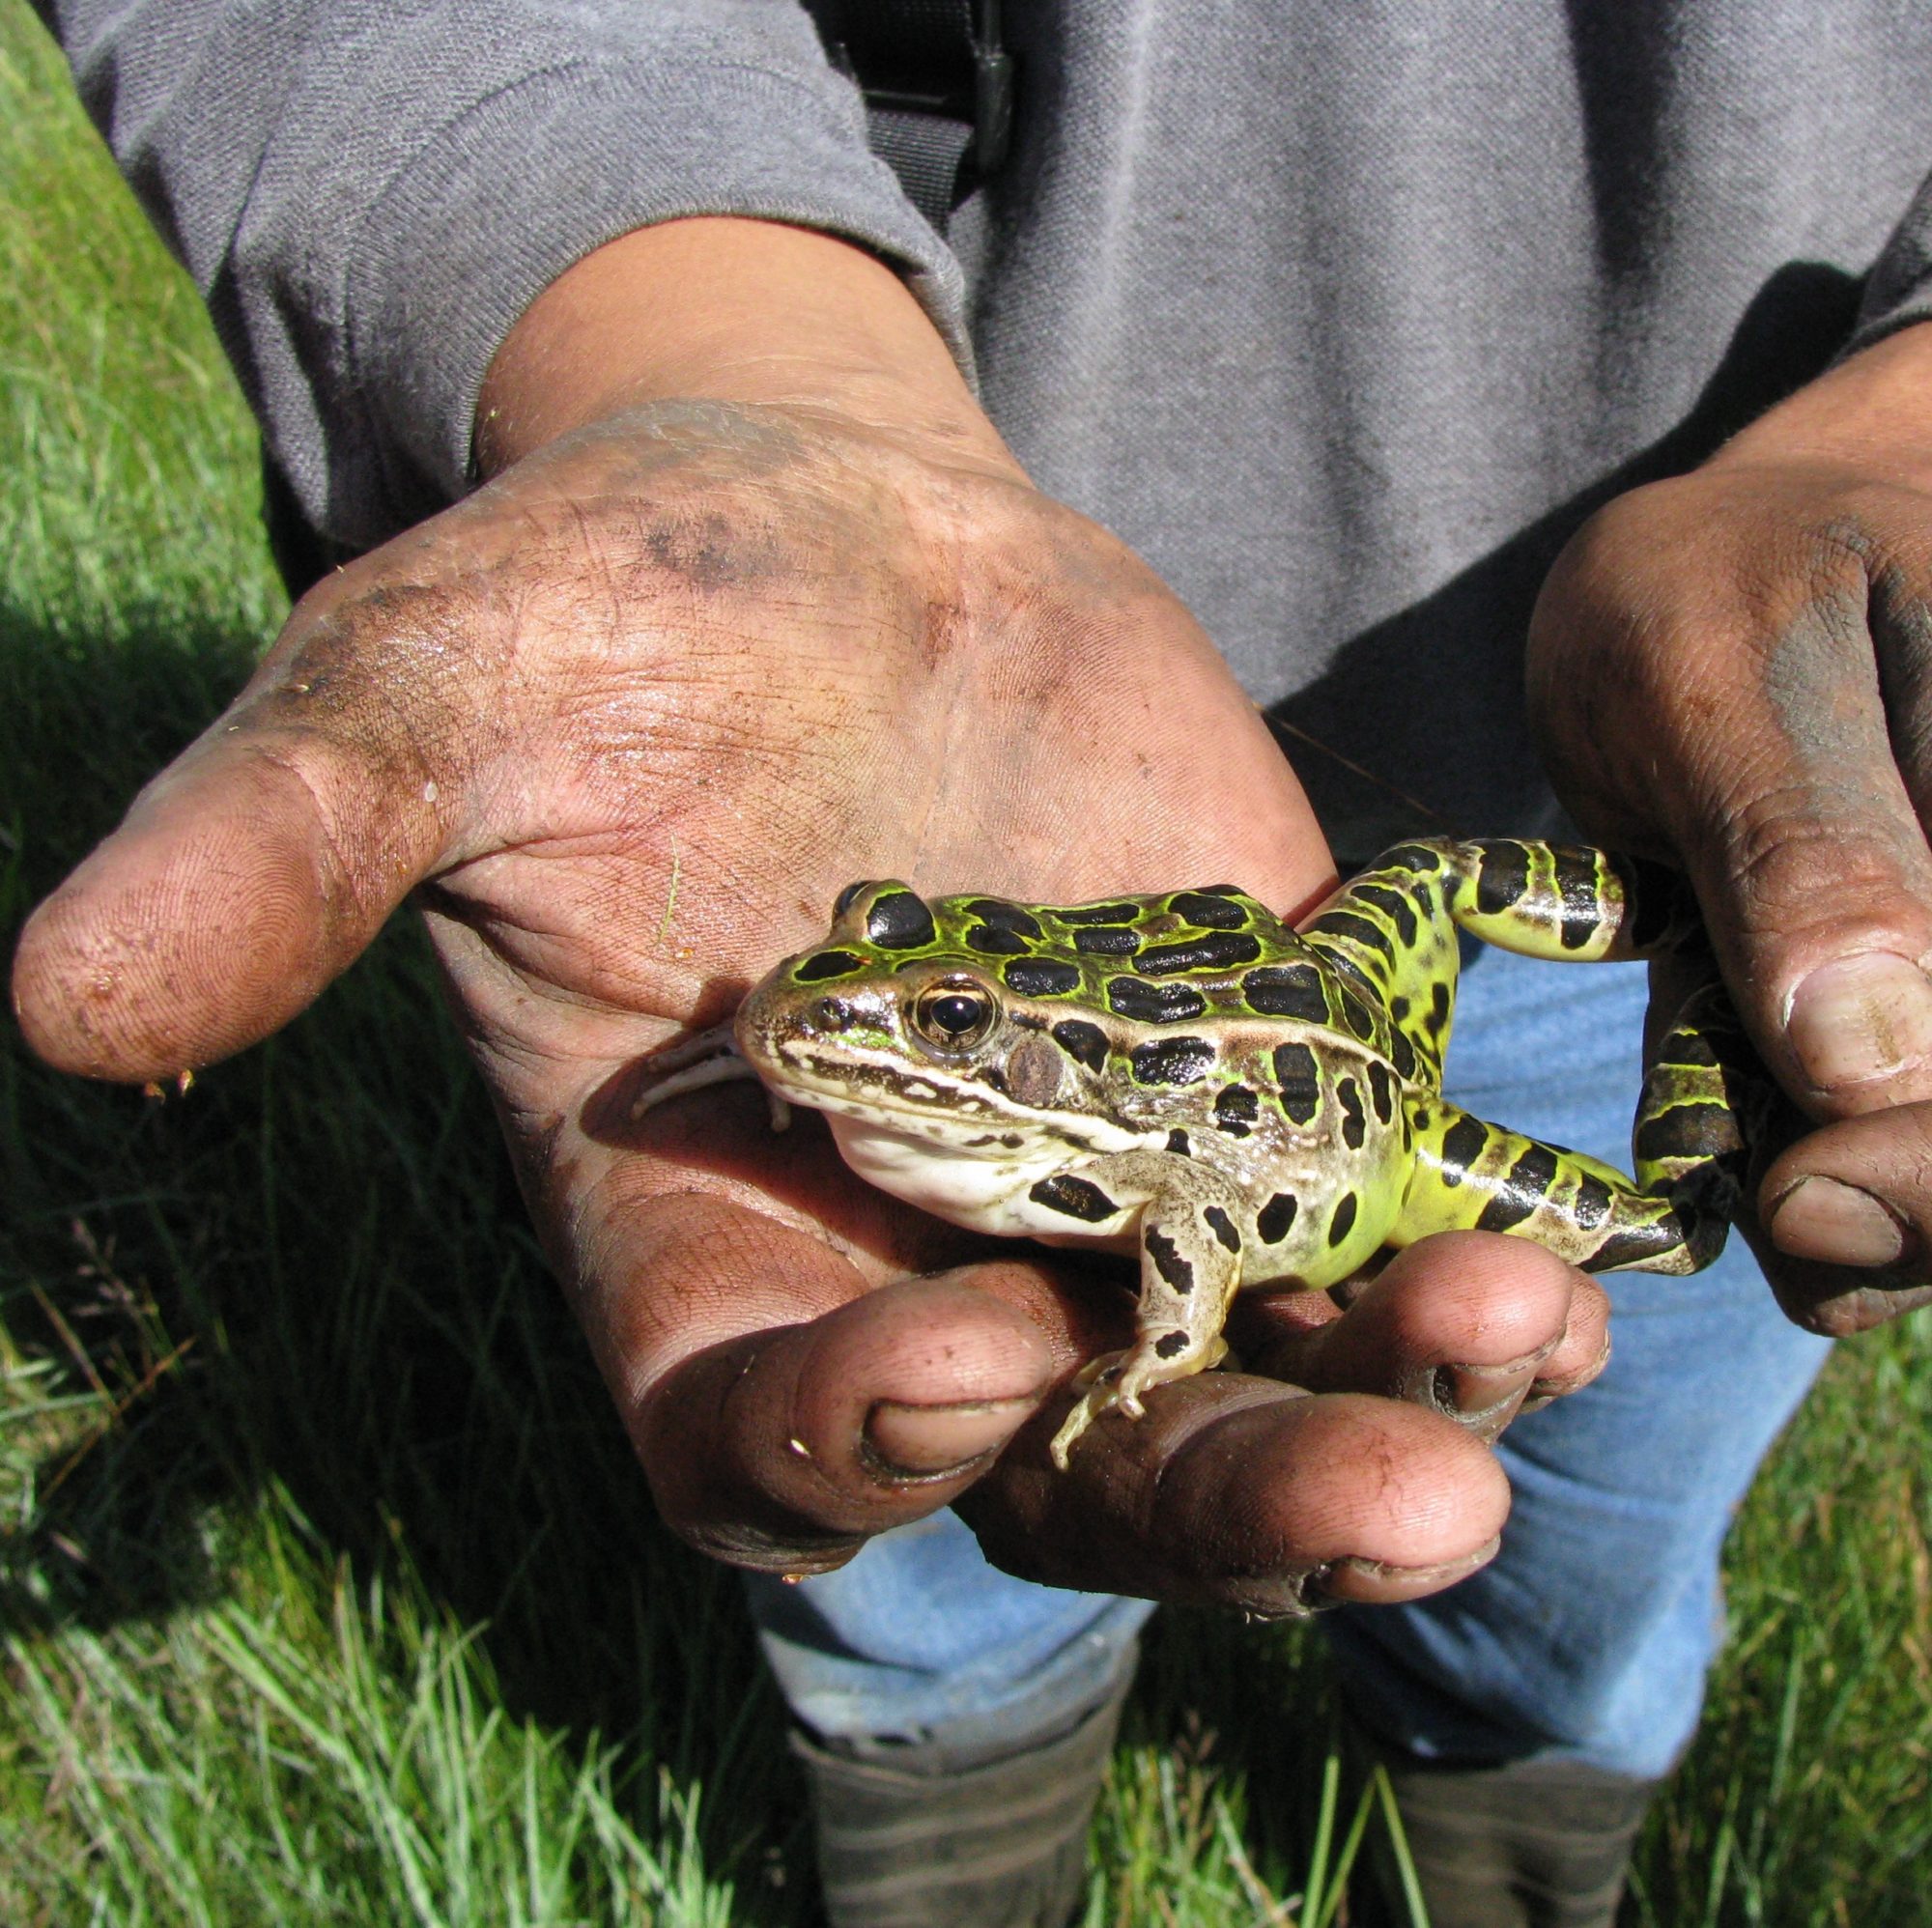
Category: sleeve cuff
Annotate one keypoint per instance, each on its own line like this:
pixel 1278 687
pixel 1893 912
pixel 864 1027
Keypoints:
pixel 531 179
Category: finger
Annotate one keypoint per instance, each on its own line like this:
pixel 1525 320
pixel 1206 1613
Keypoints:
pixel 783 1410
pixel 1240 1492
pixel 244 878
pixel 1746 725
pixel 1469 1325
pixel 1847 1218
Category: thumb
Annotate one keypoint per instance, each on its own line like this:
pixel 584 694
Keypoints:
pixel 1818 883
pixel 1730 706
pixel 246 877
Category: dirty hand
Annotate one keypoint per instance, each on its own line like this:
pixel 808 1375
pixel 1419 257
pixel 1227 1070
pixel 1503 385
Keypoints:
pixel 1732 669
pixel 757 602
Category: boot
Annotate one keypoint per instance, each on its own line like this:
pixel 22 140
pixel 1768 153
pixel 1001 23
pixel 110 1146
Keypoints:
pixel 1526 1844
pixel 920 1842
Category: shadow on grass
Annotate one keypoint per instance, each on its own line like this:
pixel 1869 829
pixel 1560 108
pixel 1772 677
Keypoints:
pixel 310 1284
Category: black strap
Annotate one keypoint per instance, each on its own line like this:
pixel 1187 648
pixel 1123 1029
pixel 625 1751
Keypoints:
pixel 938 87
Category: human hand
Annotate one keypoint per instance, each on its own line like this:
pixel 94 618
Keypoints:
pixel 1732 671
pixel 626 719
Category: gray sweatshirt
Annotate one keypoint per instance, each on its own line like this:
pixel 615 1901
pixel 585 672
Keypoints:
pixel 1343 312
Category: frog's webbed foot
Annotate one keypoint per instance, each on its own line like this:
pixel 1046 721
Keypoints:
pixel 1190 1270
pixel 705 1057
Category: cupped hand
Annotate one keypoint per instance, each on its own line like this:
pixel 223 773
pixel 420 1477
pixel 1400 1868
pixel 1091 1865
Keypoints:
pixel 1733 670
pixel 626 721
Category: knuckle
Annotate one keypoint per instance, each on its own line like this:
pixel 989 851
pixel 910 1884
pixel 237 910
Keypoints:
pixel 1809 852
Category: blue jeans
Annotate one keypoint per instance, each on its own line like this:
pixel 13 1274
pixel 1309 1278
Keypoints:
pixel 1586 1639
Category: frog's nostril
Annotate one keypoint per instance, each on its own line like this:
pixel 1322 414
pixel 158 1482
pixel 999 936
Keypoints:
pixel 830 1014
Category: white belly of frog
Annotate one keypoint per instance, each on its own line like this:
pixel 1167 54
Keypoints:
pixel 960 1185
pixel 1246 1104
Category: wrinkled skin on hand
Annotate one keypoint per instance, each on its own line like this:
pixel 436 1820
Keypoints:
pixel 1733 670
pixel 625 721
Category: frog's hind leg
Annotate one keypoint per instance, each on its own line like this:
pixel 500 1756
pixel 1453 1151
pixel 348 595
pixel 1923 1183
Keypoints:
pixel 1190 1270
pixel 1570 902
pixel 1567 903
pixel 1390 930
pixel 1473 1176
pixel 1396 923
pixel 1706 1098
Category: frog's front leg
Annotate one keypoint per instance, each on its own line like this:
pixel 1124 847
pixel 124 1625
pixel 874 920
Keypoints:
pixel 1190 1269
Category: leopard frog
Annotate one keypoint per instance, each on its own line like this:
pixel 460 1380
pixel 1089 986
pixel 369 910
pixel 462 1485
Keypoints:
pixel 1184 1077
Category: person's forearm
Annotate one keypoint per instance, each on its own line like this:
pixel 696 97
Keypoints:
pixel 372 244
pixel 728 310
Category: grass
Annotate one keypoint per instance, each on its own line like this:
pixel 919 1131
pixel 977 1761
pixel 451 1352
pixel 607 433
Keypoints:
pixel 329 1591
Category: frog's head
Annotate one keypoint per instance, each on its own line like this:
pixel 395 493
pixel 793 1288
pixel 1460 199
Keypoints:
pixel 943 1019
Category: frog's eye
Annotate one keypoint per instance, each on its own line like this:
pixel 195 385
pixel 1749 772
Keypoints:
pixel 955 1017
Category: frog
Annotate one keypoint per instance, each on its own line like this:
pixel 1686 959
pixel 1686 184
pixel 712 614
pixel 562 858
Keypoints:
pixel 1238 1103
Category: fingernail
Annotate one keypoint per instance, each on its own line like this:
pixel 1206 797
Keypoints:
pixel 1509 1369
pixel 1860 1019
pixel 1372 1576
pixel 1821 1218
pixel 923 1442
pixel 1467 1392
pixel 1484 1378
pixel 1572 1382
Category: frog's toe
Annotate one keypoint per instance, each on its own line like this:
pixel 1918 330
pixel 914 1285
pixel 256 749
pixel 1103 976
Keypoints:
pixel 1115 1381
pixel 1078 1421
pixel 1149 1368
pixel 1099 1379
pixel 1164 1357
pixel 1099 1371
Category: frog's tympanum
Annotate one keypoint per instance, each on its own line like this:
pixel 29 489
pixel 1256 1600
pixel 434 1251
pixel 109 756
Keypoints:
pixel 1241 1104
